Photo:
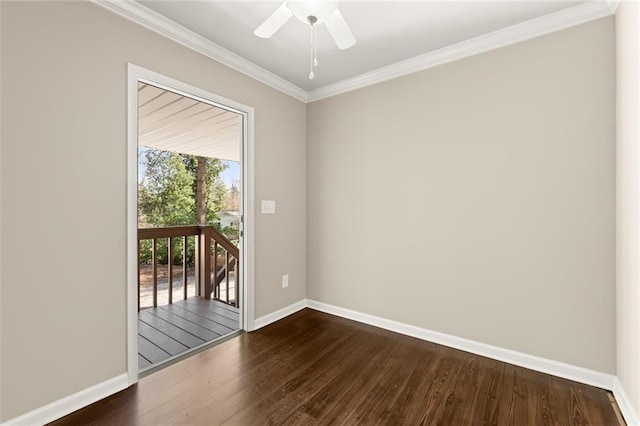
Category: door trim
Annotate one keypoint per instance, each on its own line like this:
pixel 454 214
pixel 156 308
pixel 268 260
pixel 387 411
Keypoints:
pixel 135 74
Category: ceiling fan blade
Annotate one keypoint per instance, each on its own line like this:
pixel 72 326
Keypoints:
pixel 274 22
pixel 339 30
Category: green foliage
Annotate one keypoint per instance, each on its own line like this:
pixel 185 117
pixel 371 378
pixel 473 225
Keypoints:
pixel 232 233
pixel 216 191
pixel 166 188
pixel 166 196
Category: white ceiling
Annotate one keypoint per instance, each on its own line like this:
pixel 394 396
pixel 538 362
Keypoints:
pixel 387 32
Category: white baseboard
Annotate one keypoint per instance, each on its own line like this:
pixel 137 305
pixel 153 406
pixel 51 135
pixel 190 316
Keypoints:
pixel 71 403
pixel 279 314
pixel 626 408
pixel 560 369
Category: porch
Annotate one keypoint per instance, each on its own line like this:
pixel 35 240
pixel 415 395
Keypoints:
pixel 172 329
pixel 188 292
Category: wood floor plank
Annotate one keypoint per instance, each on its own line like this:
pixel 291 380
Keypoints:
pixel 518 412
pixel 314 368
pixel 368 378
pixel 269 356
pixel 323 368
pixel 182 336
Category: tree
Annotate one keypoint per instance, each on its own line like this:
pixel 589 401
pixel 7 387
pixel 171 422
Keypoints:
pixel 232 199
pixel 201 191
pixel 165 190
pixel 178 189
pixel 214 189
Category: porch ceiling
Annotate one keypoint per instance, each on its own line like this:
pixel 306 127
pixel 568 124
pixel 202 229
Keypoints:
pixel 173 122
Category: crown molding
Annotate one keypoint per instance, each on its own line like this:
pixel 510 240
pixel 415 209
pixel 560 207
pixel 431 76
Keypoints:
pixel 547 24
pixel 156 22
pixel 566 18
pixel 613 5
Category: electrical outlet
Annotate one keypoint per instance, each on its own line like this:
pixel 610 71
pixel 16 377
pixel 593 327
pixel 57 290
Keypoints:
pixel 285 281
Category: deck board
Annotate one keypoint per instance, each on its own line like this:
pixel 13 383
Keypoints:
pixel 217 309
pixel 150 352
pixel 200 317
pixel 227 307
pixel 161 340
pixel 186 325
pixel 169 330
pixel 142 362
pixel 212 312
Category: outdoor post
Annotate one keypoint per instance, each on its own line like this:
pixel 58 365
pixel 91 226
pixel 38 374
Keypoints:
pixel 139 249
pixel 204 256
pixel 170 267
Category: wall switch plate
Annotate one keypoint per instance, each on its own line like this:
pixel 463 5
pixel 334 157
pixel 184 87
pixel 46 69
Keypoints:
pixel 268 207
pixel 285 281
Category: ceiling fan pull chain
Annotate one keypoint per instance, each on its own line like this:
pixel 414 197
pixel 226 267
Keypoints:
pixel 312 49
pixel 315 46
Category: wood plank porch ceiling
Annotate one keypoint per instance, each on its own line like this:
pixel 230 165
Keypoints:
pixel 173 122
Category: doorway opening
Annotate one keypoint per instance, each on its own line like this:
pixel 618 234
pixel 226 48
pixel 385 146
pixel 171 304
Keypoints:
pixel 189 263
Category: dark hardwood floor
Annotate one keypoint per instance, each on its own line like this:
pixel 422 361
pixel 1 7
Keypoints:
pixel 314 368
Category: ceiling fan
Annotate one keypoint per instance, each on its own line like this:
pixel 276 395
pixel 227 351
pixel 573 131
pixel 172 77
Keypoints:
pixel 312 13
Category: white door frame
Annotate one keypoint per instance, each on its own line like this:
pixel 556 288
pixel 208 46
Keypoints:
pixel 134 75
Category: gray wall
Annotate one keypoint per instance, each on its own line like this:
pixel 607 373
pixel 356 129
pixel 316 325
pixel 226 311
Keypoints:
pixel 63 180
pixel 628 200
pixel 476 198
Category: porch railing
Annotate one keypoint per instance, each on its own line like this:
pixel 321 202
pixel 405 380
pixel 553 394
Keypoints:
pixel 213 256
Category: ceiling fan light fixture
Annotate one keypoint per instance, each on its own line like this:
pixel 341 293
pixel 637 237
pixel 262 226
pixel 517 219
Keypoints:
pixel 312 13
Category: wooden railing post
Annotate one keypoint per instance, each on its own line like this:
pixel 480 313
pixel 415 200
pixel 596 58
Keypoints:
pixel 237 281
pixel 184 266
pixel 205 262
pixel 139 283
pixel 154 257
pixel 226 273
pixel 216 287
pixel 197 261
pixel 170 268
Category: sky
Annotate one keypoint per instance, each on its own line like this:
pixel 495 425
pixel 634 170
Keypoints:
pixel 231 174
